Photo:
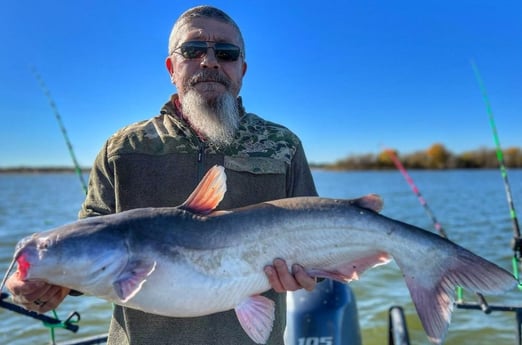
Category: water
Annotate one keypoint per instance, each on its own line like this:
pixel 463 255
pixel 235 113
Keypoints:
pixel 470 205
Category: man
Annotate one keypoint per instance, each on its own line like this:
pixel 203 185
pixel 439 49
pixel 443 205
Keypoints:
pixel 158 162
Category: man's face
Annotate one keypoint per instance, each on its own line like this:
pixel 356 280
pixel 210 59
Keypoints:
pixel 190 74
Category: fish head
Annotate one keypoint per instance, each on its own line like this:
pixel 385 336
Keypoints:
pixel 74 256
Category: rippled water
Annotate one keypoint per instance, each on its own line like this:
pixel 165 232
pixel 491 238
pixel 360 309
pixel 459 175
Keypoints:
pixel 470 205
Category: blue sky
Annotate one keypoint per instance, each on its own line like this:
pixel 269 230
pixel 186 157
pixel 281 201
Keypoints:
pixel 348 77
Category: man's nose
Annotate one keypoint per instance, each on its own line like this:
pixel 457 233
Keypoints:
pixel 209 60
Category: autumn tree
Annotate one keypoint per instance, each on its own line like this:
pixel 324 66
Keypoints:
pixel 435 157
pixel 438 156
pixel 384 159
pixel 513 157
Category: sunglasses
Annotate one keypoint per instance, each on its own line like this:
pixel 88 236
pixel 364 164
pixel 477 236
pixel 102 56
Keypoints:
pixel 198 49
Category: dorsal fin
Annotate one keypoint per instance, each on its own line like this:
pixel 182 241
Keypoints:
pixel 208 193
pixel 371 201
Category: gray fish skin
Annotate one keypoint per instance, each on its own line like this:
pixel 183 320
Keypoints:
pixel 174 262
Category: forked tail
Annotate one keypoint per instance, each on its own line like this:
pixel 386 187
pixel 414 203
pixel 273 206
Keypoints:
pixel 433 288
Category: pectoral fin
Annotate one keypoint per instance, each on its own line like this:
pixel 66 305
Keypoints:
pixel 256 316
pixel 131 279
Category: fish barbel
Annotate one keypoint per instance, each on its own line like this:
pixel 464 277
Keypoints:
pixel 148 258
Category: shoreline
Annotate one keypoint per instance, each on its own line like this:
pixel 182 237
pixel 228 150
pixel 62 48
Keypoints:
pixel 41 170
pixel 86 170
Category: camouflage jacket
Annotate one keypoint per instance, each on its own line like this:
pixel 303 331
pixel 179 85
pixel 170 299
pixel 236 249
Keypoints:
pixel 158 162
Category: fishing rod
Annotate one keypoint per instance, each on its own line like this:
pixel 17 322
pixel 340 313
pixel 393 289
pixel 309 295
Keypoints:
pixel 517 241
pixel 74 317
pixel 68 324
pixel 482 300
pixel 391 154
pixel 45 90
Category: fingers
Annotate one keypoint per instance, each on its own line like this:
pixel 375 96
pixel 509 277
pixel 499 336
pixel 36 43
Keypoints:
pixel 304 279
pixel 37 296
pixel 26 291
pixel 49 300
pixel 273 277
pixel 282 280
pixel 44 300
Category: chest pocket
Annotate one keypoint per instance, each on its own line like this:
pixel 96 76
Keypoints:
pixel 254 179
pixel 255 165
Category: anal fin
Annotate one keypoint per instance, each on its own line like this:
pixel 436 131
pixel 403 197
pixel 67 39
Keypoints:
pixel 351 270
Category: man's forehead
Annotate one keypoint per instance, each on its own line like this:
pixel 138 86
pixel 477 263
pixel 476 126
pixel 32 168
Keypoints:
pixel 207 29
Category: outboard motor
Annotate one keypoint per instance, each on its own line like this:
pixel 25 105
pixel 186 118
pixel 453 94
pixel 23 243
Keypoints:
pixel 325 316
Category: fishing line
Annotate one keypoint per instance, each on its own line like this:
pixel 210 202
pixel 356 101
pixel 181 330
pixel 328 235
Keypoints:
pixel 517 242
pixel 49 322
pixel 482 300
pixel 417 192
pixel 77 168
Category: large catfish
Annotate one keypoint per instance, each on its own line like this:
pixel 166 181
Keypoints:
pixel 190 260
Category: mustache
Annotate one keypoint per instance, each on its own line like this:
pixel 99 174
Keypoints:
pixel 208 75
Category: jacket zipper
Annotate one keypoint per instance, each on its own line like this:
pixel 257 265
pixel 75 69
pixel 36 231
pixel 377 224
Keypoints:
pixel 201 160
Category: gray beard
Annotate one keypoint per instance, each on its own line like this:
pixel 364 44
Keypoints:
pixel 216 119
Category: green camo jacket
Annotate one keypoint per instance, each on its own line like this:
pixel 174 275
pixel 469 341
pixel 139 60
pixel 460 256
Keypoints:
pixel 158 162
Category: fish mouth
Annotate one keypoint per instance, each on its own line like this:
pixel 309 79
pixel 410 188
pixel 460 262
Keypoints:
pixel 23 266
pixel 25 253
pixel 19 258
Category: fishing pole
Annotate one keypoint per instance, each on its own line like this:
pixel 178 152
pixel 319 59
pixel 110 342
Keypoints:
pixel 45 90
pixel 417 192
pixel 517 242
pixel 50 322
pixel 68 324
pixel 482 300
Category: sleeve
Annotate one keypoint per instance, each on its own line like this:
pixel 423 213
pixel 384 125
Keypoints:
pixel 300 181
pixel 100 199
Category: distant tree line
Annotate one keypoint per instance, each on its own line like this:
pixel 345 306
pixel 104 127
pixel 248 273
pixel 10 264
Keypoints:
pixel 435 157
pixel 40 170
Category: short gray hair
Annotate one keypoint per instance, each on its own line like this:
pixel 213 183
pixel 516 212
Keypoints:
pixel 202 12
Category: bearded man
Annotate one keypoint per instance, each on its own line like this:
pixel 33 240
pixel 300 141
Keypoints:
pixel 158 162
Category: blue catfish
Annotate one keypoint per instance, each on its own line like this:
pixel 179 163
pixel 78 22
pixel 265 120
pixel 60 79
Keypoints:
pixel 191 260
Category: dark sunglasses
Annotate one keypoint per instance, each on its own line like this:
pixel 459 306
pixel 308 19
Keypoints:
pixel 198 49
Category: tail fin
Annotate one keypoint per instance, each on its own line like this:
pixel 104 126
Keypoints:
pixel 433 289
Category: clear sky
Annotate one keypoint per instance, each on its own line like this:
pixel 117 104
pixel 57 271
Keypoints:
pixel 347 76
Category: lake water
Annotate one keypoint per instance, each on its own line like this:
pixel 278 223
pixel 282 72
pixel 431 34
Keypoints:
pixel 470 205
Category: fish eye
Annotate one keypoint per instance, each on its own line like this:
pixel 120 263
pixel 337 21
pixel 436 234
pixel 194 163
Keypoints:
pixel 44 244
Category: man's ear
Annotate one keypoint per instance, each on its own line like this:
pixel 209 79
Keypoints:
pixel 244 68
pixel 170 68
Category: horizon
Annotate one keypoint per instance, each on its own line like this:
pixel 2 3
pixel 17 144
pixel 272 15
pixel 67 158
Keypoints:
pixel 71 166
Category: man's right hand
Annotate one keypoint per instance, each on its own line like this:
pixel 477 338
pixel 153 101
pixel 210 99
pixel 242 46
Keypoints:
pixel 37 296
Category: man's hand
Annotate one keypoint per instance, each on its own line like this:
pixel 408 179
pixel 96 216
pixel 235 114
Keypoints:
pixel 37 296
pixel 282 280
